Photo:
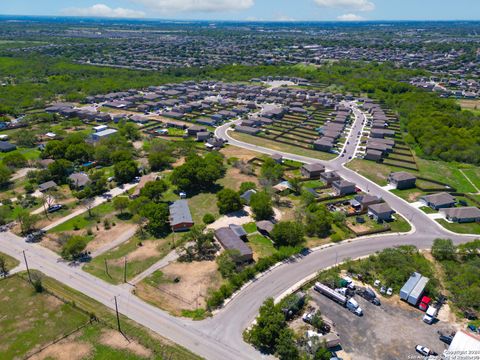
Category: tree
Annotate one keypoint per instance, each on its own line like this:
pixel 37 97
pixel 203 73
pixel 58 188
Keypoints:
pixel 3 266
pixel 120 203
pixel 245 186
pixel 159 160
pixel 286 348
pixel 208 218
pixel 261 205
pixel 317 320
pixel 89 203
pixel 4 175
pixel 228 201
pixel 322 353
pixel 443 249
pixel 130 131
pixel 157 215
pixel 318 220
pixel 79 153
pixel 59 170
pixel 139 221
pixel 226 262
pixel 26 220
pixel 154 190
pixel 270 323
pixel 24 138
pixel 48 199
pixel 203 247
pixel 288 233
pixel 296 183
pixel 199 173
pixel 271 170
pixel 74 247
pixel 15 160
pixel 125 171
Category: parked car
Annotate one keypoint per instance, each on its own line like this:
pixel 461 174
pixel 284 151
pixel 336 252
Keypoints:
pixel 54 208
pixel 446 339
pixel 389 291
pixel 383 290
pixel 425 351
pixel 376 283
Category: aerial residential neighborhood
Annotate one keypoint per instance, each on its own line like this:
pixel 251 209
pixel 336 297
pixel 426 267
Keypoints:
pixel 240 180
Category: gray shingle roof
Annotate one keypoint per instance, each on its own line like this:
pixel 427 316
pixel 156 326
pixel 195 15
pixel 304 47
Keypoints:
pixel 180 213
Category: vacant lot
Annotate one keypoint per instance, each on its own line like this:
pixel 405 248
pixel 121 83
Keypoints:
pixel 30 321
pixel 388 332
pixel 140 255
pixel 180 286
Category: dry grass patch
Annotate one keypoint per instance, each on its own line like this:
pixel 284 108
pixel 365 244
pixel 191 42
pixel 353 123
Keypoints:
pixel 242 154
pixel 189 292
pixel 67 349
pixel 116 340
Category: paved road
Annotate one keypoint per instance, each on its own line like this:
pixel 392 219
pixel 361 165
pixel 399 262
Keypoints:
pixel 220 337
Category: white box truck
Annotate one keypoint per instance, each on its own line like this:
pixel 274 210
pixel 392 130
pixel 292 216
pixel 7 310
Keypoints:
pixel 430 315
pixel 350 304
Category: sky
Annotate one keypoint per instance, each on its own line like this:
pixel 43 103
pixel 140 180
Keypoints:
pixel 252 10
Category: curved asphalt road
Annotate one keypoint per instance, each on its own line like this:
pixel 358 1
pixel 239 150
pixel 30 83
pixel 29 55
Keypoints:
pixel 220 337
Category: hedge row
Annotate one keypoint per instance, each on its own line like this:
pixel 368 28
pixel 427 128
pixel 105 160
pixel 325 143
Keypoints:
pixel 218 297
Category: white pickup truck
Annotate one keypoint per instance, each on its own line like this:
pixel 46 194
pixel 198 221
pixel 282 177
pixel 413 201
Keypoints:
pixel 430 315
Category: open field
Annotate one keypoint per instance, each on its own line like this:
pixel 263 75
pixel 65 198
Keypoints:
pixel 50 317
pixel 10 262
pixel 259 141
pixel 139 258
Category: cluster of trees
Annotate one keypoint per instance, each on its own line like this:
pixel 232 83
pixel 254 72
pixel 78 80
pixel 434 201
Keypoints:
pixel 271 170
pixel 200 245
pixel 199 173
pixel 461 266
pixel 271 334
pixel 228 201
pixel 393 266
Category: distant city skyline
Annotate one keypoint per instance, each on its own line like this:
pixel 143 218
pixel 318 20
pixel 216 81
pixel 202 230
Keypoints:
pixel 252 10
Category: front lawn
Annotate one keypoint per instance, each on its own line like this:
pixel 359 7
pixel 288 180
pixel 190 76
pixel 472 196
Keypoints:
pixel 84 221
pixel 465 228
pixel 261 246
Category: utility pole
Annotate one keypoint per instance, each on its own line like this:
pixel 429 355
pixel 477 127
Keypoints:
pixel 106 268
pixel 28 269
pixel 125 271
pixel 118 317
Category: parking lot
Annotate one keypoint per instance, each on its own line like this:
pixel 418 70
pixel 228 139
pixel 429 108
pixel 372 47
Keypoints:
pixel 387 332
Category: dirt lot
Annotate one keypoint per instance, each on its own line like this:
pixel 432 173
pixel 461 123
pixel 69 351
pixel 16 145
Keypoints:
pixel 388 332
pixel 242 154
pixel 196 280
pixel 234 178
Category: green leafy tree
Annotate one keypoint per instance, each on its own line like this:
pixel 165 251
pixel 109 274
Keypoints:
pixel 154 190
pixel 286 348
pixel 288 233
pixel 157 215
pixel 270 323
pixel 271 170
pixel 25 138
pixel 208 218
pixel 74 247
pixel 15 160
pixel 322 353
pixel 120 203
pixel 228 201
pixel 318 220
pixel 261 205
pixel 125 171
pixel 245 186
pixel 159 160
pixel 199 173
pixel 226 262
pixel 59 170
pixel 26 220
pixel 4 175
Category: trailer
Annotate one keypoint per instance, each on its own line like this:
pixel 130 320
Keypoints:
pixel 417 291
pixel 350 304
pixel 409 286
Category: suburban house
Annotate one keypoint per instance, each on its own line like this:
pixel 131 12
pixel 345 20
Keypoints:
pixel 265 227
pixel 439 200
pixel 195 129
pixel 79 180
pixel 402 180
pixel 312 171
pixel 343 187
pixel 462 214
pixel 373 155
pixel 323 144
pixel 231 241
pixel 362 202
pixel 247 130
pixel 180 216
pixel 5 146
pixel 329 177
pixel 47 186
pixel 380 212
pixel 239 231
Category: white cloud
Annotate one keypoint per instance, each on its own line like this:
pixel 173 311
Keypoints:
pixel 166 6
pixel 102 10
pixel 359 5
pixel 350 17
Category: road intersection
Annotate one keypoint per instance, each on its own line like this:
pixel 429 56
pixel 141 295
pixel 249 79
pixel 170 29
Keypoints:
pixel 220 336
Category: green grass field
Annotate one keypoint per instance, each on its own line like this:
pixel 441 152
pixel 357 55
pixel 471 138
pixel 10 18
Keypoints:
pixel 202 204
pixel 10 262
pixel 271 144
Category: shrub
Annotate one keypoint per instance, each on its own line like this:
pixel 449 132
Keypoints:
pixel 208 218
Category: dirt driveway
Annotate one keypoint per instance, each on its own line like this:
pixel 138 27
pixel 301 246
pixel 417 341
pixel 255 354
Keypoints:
pixel 387 332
